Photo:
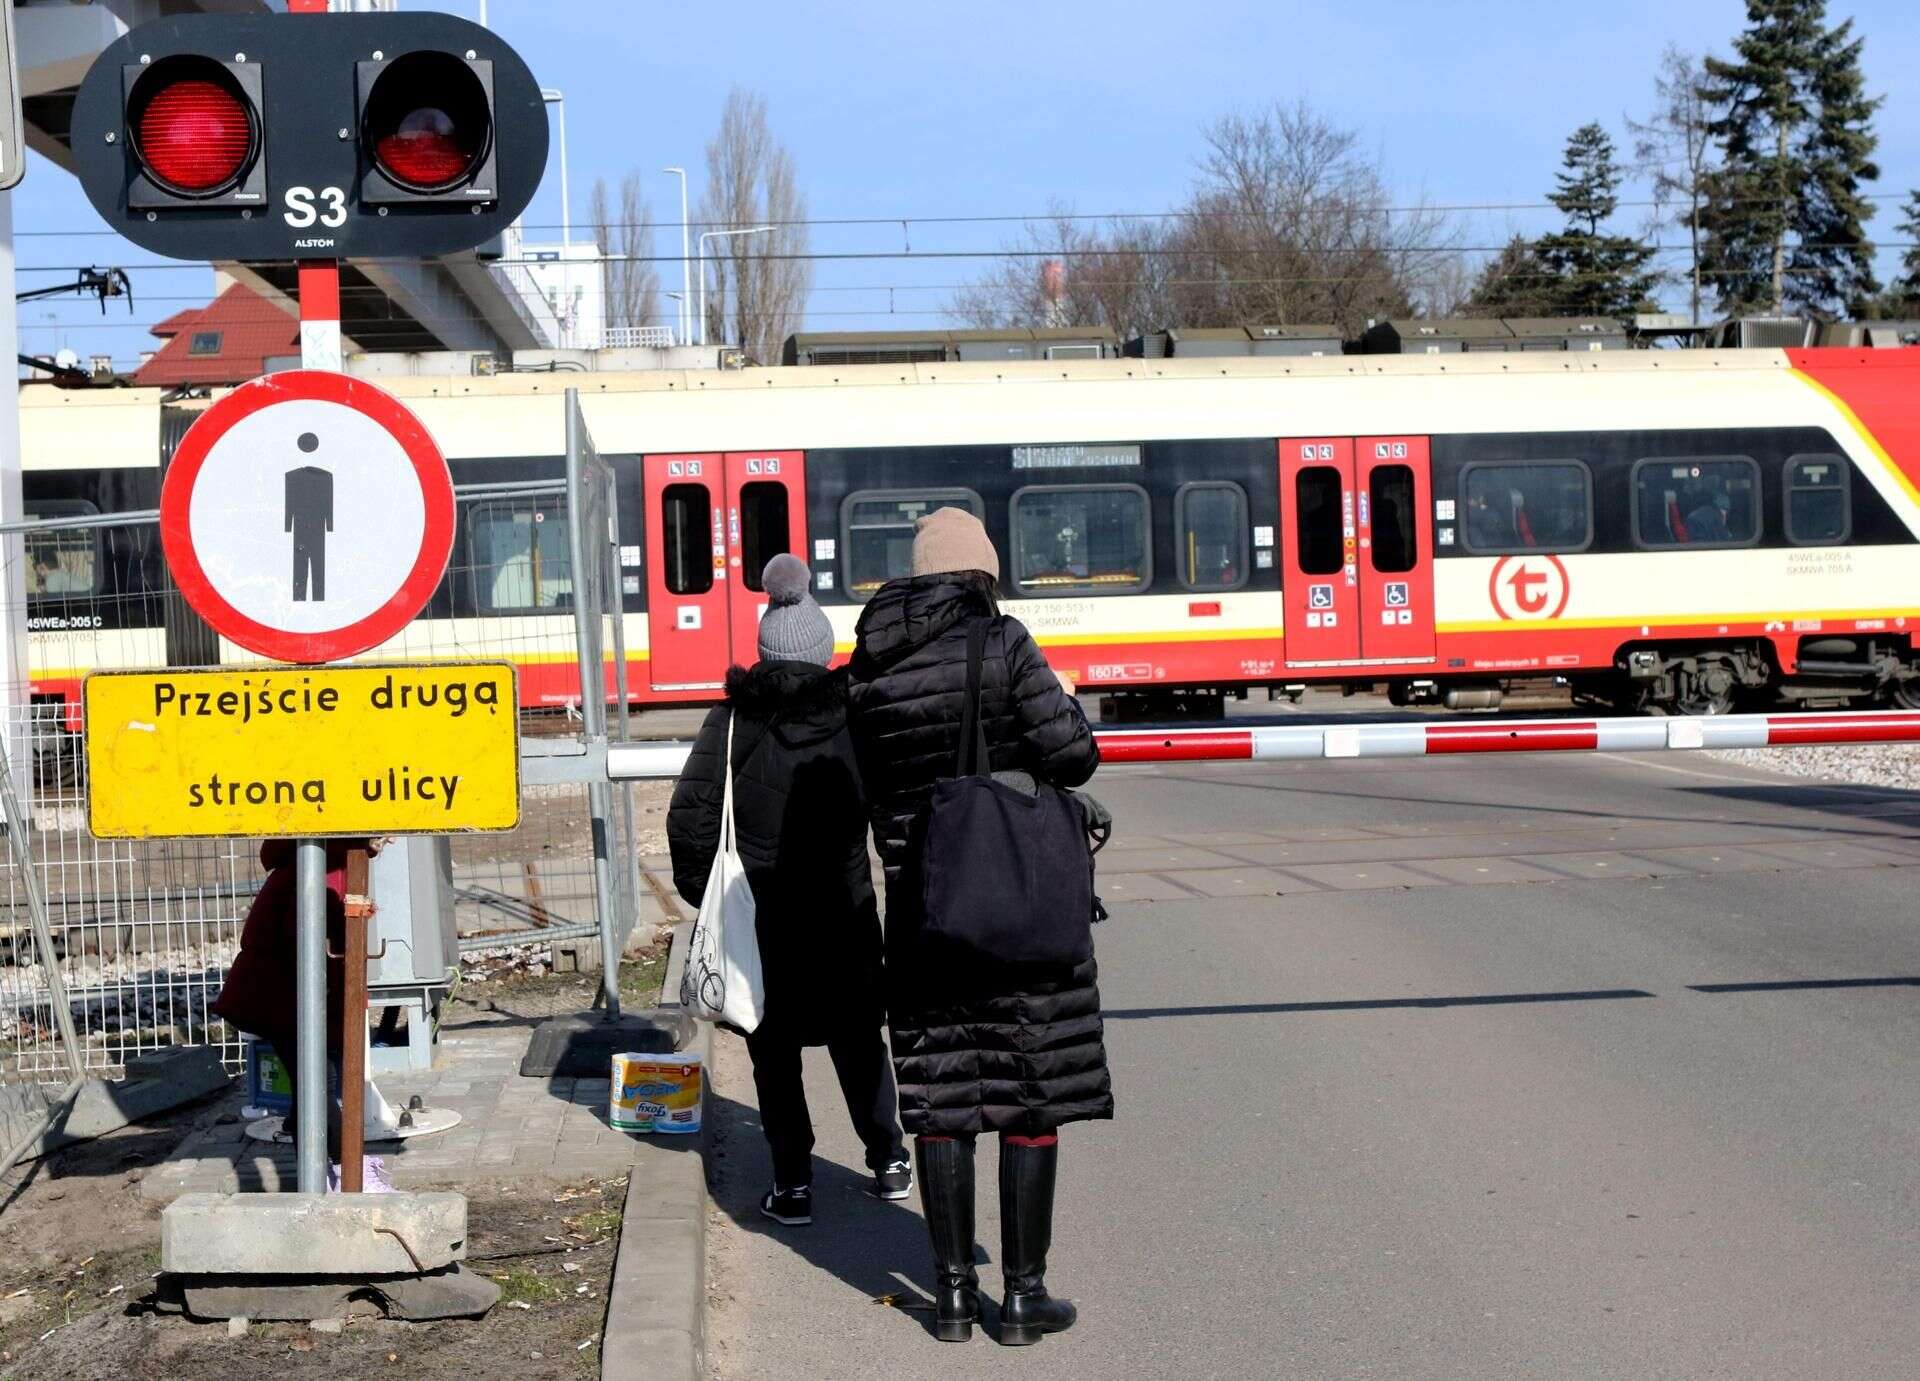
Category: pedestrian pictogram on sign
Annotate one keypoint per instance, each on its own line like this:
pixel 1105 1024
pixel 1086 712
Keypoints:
pixel 307 516
pixel 1319 596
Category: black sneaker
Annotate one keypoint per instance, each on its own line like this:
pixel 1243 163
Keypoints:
pixel 894 1182
pixel 793 1207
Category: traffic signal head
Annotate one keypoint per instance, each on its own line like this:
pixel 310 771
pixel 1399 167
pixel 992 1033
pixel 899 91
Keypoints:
pixel 193 133
pixel 273 137
pixel 426 129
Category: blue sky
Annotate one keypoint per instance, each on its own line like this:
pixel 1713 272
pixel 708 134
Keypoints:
pixel 994 109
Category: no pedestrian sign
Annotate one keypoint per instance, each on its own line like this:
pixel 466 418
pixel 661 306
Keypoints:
pixel 307 516
pixel 293 752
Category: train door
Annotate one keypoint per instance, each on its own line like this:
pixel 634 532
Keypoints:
pixel 1319 576
pixel 713 522
pixel 1396 565
pixel 766 515
pixel 686 560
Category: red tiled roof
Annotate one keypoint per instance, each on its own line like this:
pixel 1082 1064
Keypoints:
pixel 176 323
pixel 251 329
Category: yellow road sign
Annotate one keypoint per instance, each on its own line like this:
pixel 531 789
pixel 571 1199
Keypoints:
pixel 303 751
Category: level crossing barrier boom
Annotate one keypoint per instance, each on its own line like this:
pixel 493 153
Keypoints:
pixel 1279 742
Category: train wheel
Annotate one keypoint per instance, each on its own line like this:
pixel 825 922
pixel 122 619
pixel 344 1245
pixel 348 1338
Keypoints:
pixel 1703 690
pixel 1700 702
pixel 59 764
pixel 1904 695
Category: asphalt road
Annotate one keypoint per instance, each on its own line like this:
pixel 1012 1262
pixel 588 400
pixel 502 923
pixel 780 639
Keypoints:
pixel 1455 1067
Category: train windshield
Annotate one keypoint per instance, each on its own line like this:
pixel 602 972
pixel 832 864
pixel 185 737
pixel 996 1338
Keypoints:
pixel 1527 506
pixel 1818 508
pixel 877 531
pixel 1317 519
pixel 1081 539
pixel 763 528
pixel 62 562
pixel 1697 503
pixel 521 557
pixel 685 513
pixel 1212 523
pixel 1390 494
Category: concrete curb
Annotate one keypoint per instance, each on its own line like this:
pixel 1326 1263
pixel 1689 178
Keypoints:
pixel 657 1303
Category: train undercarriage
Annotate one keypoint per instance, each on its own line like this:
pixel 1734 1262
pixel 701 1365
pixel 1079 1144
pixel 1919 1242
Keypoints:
pixel 1674 678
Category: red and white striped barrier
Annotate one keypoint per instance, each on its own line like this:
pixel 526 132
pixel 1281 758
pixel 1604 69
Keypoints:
pixel 1414 740
pixel 1266 742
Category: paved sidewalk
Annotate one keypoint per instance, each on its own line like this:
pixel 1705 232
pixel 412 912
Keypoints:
pixel 509 1126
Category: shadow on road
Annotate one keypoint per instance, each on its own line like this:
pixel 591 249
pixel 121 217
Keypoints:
pixel 873 1246
pixel 1795 985
pixel 1371 1004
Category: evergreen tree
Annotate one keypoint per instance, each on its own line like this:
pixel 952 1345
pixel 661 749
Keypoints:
pixel 1591 273
pixel 1903 298
pixel 1785 218
pixel 1512 283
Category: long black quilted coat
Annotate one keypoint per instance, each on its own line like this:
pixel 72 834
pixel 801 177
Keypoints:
pixel 996 1048
pixel 801 820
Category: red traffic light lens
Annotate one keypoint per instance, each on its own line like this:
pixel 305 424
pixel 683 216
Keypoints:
pixel 426 151
pixel 193 130
pixel 428 122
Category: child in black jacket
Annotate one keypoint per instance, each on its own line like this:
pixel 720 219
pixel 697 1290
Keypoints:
pixel 801 818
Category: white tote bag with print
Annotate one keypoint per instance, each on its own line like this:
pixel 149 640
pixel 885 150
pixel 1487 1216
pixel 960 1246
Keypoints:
pixel 722 981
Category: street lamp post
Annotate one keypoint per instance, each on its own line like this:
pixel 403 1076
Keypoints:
pixel 555 98
pixel 686 263
pixel 718 235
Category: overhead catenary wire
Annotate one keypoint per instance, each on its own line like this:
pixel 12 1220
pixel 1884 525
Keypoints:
pixel 1037 217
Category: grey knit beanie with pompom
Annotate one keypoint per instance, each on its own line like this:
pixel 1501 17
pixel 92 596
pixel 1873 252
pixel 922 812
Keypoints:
pixel 794 628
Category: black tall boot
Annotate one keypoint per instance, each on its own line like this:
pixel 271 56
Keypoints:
pixel 1026 1231
pixel 946 1194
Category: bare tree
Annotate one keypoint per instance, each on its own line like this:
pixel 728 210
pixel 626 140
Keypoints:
pixel 760 281
pixel 1113 275
pixel 632 286
pixel 1288 224
pixel 1675 147
pixel 1291 223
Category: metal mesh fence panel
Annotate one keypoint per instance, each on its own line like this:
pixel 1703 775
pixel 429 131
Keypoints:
pixel 145 930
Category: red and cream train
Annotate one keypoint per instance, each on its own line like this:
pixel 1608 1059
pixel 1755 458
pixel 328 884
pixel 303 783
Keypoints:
pixel 1660 529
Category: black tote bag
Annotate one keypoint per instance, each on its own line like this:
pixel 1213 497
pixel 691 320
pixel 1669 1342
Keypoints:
pixel 1006 878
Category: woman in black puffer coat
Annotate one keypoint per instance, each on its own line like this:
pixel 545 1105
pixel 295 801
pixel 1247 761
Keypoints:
pixel 1003 1049
pixel 801 821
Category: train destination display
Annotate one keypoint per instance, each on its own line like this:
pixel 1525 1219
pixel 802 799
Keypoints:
pixel 300 751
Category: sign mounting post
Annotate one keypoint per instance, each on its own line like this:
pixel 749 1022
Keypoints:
pixel 320 349
pixel 307 516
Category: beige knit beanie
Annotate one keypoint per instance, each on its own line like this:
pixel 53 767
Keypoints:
pixel 950 540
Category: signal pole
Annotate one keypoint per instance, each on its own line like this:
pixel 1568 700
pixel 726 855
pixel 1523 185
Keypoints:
pixel 14 697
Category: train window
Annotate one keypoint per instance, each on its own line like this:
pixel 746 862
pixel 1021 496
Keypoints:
pixel 62 562
pixel 1316 519
pixel 1529 505
pixel 1390 499
pixel 763 528
pixel 876 532
pixel 686 517
pixel 1081 539
pixel 1708 502
pixel 1819 501
pixel 522 559
pixel 1210 526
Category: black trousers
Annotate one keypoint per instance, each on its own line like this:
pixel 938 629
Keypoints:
pixel 866 1079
